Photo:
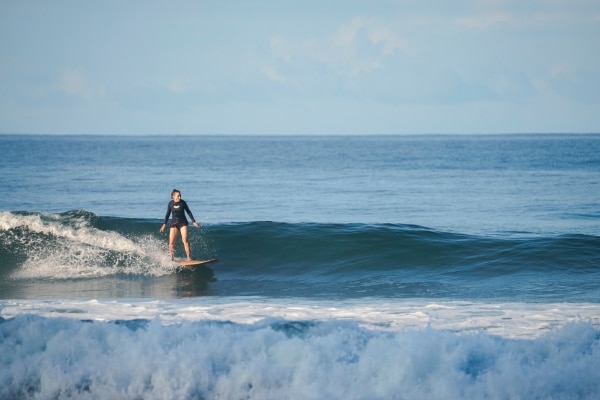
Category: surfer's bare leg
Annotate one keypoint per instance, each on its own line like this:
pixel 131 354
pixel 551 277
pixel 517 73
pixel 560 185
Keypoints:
pixel 186 243
pixel 172 237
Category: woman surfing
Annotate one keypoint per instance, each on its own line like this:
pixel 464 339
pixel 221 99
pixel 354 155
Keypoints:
pixel 179 223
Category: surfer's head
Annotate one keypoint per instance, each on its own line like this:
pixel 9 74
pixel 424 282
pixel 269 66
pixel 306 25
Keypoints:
pixel 176 194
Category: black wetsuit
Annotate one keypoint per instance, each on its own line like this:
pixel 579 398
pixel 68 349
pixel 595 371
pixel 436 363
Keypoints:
pixel 178 210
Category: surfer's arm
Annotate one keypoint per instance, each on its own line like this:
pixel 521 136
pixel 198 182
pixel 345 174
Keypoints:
pixel 164 225
pixel 189 212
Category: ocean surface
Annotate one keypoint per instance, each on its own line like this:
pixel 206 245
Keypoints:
pixel 370 267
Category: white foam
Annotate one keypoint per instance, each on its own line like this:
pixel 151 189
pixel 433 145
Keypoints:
pixel 82 251
pixel 511 320
pixel 297 349
pixel 78 231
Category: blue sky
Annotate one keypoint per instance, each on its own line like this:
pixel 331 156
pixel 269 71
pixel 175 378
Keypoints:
pixel 299 67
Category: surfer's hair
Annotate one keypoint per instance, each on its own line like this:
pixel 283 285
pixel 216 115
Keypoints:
pixel 175 191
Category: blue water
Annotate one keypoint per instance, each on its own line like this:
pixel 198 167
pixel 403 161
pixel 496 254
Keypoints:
pixel 482 184
pixel 349 267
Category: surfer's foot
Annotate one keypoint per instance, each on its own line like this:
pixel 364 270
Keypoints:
pixel 172 257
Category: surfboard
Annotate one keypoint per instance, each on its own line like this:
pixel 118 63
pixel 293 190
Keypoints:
pixel 195 263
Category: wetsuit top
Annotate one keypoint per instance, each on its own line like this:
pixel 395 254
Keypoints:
pixel 178 210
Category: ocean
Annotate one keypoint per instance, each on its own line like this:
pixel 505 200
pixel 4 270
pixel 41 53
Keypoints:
pixel 350 267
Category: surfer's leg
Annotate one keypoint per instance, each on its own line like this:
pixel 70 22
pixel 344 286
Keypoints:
pixel 172 237
pixel 186 243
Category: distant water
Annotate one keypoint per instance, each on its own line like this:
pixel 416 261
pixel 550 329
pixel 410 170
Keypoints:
pixel 536 184
pixel 440 267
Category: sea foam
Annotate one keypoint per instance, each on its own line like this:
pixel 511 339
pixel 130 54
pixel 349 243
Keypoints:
pixel 274 358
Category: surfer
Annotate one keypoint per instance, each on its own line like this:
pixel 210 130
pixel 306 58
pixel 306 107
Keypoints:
pixel 179 224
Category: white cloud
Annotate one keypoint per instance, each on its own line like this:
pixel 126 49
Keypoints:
pixel 280 48
pixel 178 85
pixel 354 48
pixel 389 41
pixel 346 34
pixel 487 21
pixel 562 71
pixel 73 83
pixel 503 16
pixel 271 72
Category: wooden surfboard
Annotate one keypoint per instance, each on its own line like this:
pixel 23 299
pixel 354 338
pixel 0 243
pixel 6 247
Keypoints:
pixel 195 263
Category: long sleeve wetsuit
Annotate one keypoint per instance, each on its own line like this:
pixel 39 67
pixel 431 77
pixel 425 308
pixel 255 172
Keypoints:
pixel 178 210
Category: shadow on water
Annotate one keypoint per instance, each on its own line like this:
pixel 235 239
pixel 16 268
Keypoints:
pixel 185 283
pixel 192 282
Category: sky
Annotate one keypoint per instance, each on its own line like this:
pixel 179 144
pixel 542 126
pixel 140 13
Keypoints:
pixel 281 67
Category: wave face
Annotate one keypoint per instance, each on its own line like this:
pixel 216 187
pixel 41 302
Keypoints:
pixel 307 259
